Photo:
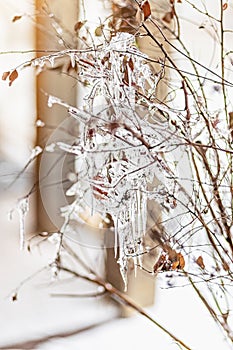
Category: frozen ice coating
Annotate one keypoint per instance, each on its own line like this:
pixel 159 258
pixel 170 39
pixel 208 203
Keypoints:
pixel 122 153
pixel 72 59
pixel 35 152
pixel 74 149
pixel 52 61
pixel 122 41
pixel 53 100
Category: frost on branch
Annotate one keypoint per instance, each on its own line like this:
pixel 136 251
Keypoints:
pixel 22 209
pixel 123 157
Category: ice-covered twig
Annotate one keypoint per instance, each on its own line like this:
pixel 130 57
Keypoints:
pixel 22 209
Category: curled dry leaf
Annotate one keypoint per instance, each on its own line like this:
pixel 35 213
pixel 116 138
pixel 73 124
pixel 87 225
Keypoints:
pixel 200 262
pixel 225 266
pixel 5 75
pixel 131 64
pixel 16 18
pixel 168 17
pixel 99 30
pixel 160 263
pixel 170 261
pixel 225 6
pixel 179 262
pixel 79 25
pixel 14 75
pixel 145 7
pixel 175 265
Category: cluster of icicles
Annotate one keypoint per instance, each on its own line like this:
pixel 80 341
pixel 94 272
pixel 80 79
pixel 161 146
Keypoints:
pixel 120 149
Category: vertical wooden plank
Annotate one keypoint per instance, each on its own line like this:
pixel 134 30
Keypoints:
pixel 53 82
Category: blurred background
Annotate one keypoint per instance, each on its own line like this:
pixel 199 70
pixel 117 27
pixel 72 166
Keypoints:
pixel 37 320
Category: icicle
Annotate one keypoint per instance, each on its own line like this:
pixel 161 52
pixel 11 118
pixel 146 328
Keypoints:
pixel 116 241
pixel 135 261
pixel 72 59
pixel 22 208
pixel 138 195
pixel 144 212
pixel 115 221
pixel 51 61
pixel 122 261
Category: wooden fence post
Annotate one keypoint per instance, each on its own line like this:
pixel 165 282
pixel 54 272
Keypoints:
pixel 52 81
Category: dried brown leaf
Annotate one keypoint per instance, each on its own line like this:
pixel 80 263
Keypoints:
pixel 231 119
pixel 225 266
pixel 145 7
pixel 168 17
pixel 160 263
pixel 200 262
pixel 79 25
pixel 181 261
pixel 172 254
pixel 5 75
pixel 16 18
pixel 231 123
pixel 175 265
pixel 225 6
pixel 99 30
pixel 14 75
pixel 131 64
